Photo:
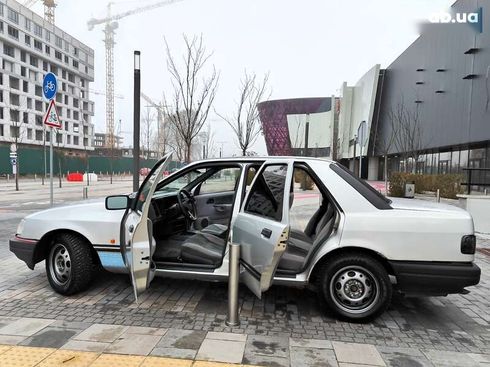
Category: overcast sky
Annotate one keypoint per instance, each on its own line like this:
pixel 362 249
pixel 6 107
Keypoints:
pixel 309 46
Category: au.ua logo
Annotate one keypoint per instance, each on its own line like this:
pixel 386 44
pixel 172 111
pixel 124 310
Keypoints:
pixel 474 19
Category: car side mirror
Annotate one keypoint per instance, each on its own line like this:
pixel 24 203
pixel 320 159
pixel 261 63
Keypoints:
pixel 117 202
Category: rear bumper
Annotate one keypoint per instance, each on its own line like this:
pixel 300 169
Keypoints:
pixel 24 249
pixel 434 278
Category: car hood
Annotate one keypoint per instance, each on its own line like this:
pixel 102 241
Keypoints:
pixel 423 205
pixel 72 211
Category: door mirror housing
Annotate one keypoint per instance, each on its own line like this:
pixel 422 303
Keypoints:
pixel 117 202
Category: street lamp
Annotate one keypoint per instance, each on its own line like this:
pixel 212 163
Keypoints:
pixel 136 120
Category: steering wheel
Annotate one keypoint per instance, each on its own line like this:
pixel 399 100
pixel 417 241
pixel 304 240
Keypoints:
pixel 187 204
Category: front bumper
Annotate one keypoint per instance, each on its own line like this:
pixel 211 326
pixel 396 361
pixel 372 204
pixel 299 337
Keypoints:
pixel 24 249
pixel 434 278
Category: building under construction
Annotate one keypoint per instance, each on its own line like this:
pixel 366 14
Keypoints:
pixel 32 46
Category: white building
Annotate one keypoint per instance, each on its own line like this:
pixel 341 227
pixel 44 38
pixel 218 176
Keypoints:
pixel 29 48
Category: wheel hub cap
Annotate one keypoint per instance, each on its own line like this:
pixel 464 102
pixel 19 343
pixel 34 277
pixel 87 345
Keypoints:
pixel 60 264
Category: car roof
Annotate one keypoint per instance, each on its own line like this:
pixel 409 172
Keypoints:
pixel 262 158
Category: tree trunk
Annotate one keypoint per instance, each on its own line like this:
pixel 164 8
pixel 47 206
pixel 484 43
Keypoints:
pixel 59 172
pixel 17 175
pixel 188 152
pixel 244 151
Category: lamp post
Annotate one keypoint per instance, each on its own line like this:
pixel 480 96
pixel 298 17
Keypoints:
pixel 136 120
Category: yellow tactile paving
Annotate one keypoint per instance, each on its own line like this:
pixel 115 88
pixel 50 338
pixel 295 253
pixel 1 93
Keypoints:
pixel 166 362
pixel 16 356
pixel 117 360
pixel 24 356
pixel 69 358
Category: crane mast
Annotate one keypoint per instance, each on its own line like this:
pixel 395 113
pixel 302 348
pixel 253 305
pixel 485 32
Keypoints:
pixel 160 124
pixel 49 6
pixel 109 30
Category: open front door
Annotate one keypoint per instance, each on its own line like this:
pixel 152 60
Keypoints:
pixel 262 225
pixel 138 244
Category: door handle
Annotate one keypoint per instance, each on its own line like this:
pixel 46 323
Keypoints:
pixel 131 228
pixel 266 232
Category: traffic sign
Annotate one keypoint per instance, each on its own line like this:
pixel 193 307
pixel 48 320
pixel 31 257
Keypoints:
pixel 362 134
pixel 52 118
pixel 50 86
pixel 13 161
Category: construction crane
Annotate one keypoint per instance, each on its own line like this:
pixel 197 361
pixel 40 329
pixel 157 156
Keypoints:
pixel 49 6
pixel 160 122
pixel 111 24
pixel 100 93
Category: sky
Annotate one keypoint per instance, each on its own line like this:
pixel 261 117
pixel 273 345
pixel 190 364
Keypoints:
pixel 309 47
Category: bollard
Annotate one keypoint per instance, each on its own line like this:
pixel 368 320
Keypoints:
pixel 485 191
pixel 35 177
pixel 438 196
pixel 85 192
pixel 8 177
pixel 233 283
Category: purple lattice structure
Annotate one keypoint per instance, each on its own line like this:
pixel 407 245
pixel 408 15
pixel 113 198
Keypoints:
pixel 273 116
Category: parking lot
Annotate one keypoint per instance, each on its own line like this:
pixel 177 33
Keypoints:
pixel 414 330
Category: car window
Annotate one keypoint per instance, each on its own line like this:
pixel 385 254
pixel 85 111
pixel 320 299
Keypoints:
pixel 222 181
pixel 306 200
pixel 182 181
pixel 267 194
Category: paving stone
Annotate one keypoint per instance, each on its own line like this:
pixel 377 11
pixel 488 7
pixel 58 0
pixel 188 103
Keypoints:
pixel 50 337
pixel 221 350
pixel 145 330
pixel 137 344
pixel 480 358
pixel 447 358
pixel 268 346
pixel 310 343
pixel 174 352
pixel 403 357
pixel 84 345
pixel 101 333
pixel 182 339
pixel 306 357
pixel 357 353
pixel 226 336
pixel 25 326
pixel 11 339
pixel 166 362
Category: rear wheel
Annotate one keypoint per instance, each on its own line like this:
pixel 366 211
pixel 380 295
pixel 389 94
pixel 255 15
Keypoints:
pixel 69 265
pixel 355 287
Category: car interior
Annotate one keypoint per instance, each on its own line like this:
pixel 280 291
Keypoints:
pixel 191 216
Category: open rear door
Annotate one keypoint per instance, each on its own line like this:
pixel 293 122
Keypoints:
pixel 138 244
pixel 262 225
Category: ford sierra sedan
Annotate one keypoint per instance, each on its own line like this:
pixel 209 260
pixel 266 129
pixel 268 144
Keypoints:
pixel 299 222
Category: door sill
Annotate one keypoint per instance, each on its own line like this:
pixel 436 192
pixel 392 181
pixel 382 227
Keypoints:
pixel 162 265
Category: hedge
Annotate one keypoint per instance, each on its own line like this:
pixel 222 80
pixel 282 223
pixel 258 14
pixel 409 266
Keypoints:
pixel 449 185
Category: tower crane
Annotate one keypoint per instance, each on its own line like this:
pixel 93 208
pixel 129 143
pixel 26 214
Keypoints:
pixel 160 122
pixel 110 25
pixel 49 6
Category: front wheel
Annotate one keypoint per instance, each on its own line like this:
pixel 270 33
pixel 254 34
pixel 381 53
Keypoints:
pixel 69 264
pixel 356 287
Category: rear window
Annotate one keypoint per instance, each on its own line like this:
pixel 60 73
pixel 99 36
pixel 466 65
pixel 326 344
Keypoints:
pixel 362 187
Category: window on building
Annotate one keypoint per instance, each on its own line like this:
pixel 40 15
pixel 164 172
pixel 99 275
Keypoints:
pixel 76 115
pixel 23 71
pixel 53 68
pixel 14 99
pixel 14 82
pixel 14 116
pixel 29 103
pixel 39 135
pixel 13 15
pixel 34 61
pixel 13 32
pixel 58 42
pixel 1 113
pixel 1 9
pixel 8 66
pixel 75 51
pixel 1 27
pixel 66 100
pixel 27 39
pixel 33 75
pixel 67 46
pixel 59 138
pixel 68 113
pixel 2 133
pixel 47 49
pixel 58 55
pixel 75 103
pixel 8 50
pixel 63 87
pixel 38 91
pixel 66 59
pixel 75 63
pixel 25 118
pixel 39 106
pixel 71 90
pixel 38 30
pixel 75 140
pixel 15 132
pixel 1 95
pixel 45 66
pixel 71 77
pixel 47 136
pixel 25 86
pixel 47 35
pixel 38 45
pixel 29 134
pixel 59 98
pixel 68 139
pixel 39 120
pixel 28 24
pixel 67 126
pixel 75 128
pixel 23 56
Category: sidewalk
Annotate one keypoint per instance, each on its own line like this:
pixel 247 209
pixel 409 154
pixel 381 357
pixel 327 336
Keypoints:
pixel 46 342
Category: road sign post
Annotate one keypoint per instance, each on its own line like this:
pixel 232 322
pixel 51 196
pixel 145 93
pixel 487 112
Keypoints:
pixel 51 119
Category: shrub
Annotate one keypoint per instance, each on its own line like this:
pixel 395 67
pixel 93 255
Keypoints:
pixel 449 185
pixel 300 176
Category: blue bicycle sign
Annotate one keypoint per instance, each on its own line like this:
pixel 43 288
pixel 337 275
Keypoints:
pixel 50 86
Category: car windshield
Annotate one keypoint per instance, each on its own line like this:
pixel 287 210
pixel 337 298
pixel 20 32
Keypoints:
pixel 180 182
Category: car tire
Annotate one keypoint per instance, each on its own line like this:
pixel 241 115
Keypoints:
pixel 355 287
pixel 69 264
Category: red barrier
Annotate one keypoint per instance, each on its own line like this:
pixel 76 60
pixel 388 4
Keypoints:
pixel 74 177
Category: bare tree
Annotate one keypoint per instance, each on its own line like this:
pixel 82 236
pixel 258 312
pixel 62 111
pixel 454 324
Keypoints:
pixel 408 139
pixel 147 132
pixel 193 93
pixel 175 143
pixel 207 142
pixel 245 122
pixel 385 144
